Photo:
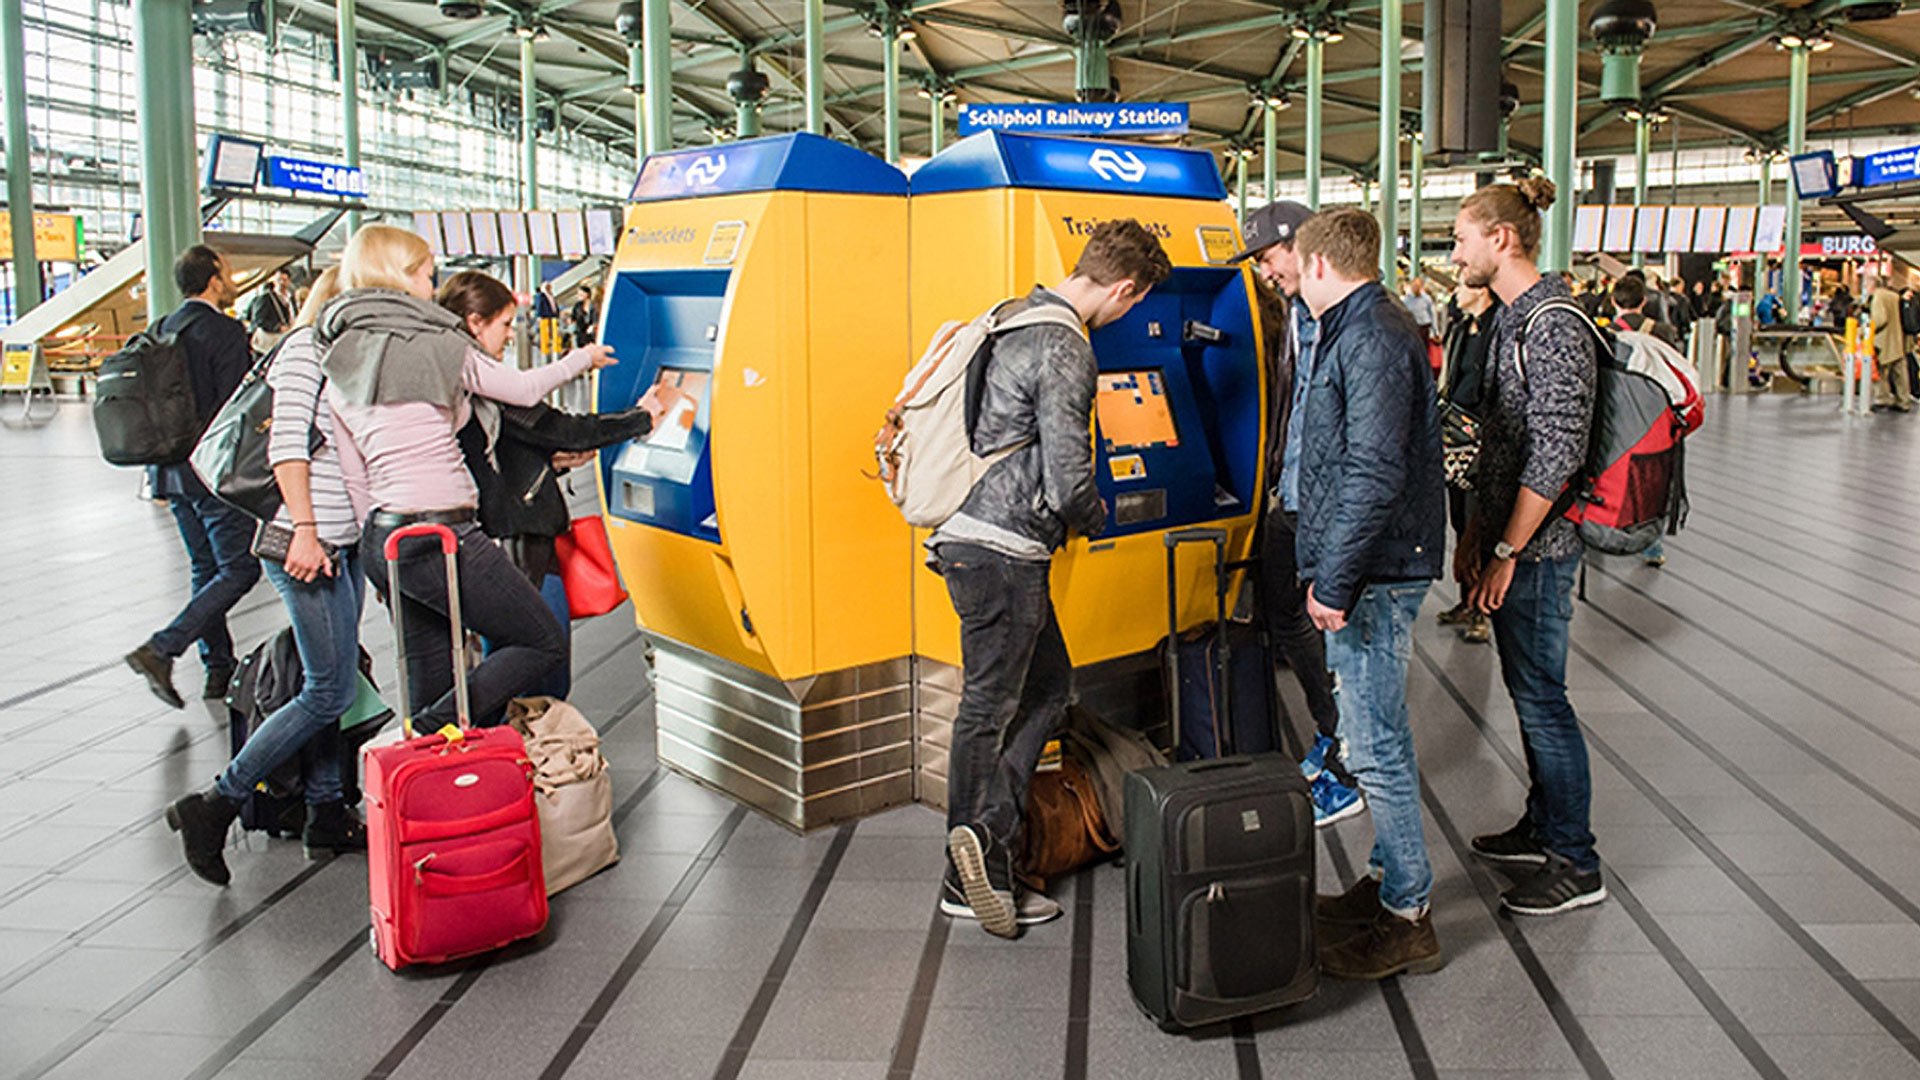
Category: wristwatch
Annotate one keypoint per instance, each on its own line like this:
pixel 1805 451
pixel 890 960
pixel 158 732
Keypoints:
pixel 1504 550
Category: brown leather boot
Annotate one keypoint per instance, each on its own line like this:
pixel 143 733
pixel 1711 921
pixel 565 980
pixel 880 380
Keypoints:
pixel 1356 907
pixel 1389 946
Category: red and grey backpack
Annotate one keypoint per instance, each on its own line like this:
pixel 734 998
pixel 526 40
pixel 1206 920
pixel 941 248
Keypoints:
pixel 1646 400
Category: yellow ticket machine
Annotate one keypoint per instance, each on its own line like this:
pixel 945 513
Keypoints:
pixel 1177 425
pixel 762 286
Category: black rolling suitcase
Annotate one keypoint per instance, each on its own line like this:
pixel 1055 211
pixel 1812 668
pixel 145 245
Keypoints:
pixel 1209 666
pixel 1220 878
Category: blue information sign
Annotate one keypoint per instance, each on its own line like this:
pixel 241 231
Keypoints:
pixel 319 177
pixel 995 159
pixel 1080 118
pixel 1887 167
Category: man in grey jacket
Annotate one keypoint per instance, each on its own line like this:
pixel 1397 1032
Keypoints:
pixel 996 554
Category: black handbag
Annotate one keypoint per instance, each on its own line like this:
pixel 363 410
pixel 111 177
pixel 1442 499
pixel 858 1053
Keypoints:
pixel 1460 433
pixel 231 457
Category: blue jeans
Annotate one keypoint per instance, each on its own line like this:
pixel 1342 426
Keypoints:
pixel 1016 680
pixel 219 542
pixel 326 629
pixel 1369 661
pixel 1531 630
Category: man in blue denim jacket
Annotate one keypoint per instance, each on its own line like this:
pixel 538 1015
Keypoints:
pixel 1371 540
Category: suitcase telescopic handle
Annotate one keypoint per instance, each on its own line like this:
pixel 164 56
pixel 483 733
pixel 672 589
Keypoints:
pixel 450 548
pixel 1222 718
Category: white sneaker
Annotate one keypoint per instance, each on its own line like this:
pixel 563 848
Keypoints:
pixel 1029 909
pixel 990 902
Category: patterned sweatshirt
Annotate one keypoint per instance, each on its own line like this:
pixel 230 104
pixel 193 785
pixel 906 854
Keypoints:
pixel 1536 427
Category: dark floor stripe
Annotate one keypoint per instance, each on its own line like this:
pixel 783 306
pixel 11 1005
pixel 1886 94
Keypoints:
pixel 1878 884
pixel 278 1011
pixel 576 1040
pixel 109 665
pixel 1080 975
pixel 424 1026
pixel 1483 884
pixel 1246 1053
pixel 1736 1030
pixel 741 1044
pixel 1827 962
pixel 913 1024
pixel 1405 1025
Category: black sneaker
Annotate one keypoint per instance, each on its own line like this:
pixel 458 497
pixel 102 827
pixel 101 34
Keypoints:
pixel 1554 888
pixel 158 671
pixel 986 879
pixel 1517 846
pixel 331 827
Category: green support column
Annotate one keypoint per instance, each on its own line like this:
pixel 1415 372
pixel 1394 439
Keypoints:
pixel 1366 196
pixel 890 76
pixel 1766 196
pixel 937 107
pixel 656 17
pixel 637 82
pixel 349 58
pixel 13 67
pixel 163 100
pixel 1316 96
pixel 1416 167
pixel 1642 148
pixel 1389 214
pixel 1796 144
pixel 1562 96
pixel 816 36
pixel 529 150
pixel 1240 183
pixel 1269 148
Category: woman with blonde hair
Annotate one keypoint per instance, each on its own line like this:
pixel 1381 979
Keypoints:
pixel 404 376
pixel 320 581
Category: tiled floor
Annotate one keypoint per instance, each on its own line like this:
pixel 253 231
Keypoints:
pixel 1755 719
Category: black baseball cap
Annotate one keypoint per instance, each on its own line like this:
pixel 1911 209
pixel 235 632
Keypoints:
pixel 1274 223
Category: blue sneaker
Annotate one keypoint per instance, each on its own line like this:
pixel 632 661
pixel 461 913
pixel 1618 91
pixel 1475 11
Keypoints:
pixel 1334 801
pixel 1315 762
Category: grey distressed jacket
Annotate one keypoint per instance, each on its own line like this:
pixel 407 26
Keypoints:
pixel 1038 391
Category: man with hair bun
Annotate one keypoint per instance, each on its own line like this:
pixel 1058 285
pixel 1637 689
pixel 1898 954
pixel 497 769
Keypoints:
pixel 1519 554
pixel 1372 534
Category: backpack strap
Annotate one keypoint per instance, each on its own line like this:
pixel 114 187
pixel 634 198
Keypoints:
pixel 1555 303
pixel 1044 314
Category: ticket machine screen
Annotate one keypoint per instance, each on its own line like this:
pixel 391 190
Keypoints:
pixel 1133 410
pixel 681 390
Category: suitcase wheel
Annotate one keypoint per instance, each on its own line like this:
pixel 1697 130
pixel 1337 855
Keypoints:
pixel 373 938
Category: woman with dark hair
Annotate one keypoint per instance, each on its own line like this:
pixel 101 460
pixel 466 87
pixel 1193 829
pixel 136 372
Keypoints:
pixel 517 474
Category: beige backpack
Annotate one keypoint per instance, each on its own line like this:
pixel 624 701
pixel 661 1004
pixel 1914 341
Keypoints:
pixel 572 790
pixel 925 449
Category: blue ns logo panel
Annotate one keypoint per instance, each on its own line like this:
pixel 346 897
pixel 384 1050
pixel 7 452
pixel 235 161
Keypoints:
pixel 663 326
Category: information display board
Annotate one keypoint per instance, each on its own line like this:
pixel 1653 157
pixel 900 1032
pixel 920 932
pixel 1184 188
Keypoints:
pixel 543 233
pixel 486 232
pixel 513 233
pixel 1770 229
pixel 573 233
pixel 603 231
pixel 459 236
pixel 1709 229
pixel 1588 225
pixel 1619 229
pixel 1740 223
pixel 1680 221
pixel 233 163
pixel 427 224
pixel 1649 229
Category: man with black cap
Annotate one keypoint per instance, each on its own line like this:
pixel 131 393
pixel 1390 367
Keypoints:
pixel 1269 235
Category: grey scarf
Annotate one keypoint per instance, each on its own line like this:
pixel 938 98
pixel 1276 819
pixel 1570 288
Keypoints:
pixel 385 347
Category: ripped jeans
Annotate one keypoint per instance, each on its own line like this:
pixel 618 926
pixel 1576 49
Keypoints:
pixel 1369 661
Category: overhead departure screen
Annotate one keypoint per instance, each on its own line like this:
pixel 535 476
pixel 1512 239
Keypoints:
pixel 681 390
pixel 1133 410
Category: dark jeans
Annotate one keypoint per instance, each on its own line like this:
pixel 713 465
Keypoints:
pixel 1531 630
pixel 496 601
pixel 1017 678
pixel 1283 603
pixel 535 557
pixel 219 542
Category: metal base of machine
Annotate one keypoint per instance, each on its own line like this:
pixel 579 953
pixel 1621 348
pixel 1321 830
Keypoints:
pixel 808 753
pixel 1127 692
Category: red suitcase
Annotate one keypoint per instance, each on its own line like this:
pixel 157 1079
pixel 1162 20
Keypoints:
pixel 453 837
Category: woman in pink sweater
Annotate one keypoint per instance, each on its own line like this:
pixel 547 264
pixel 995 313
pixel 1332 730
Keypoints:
pixel 403 377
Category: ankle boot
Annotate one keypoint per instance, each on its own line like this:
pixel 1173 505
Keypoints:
pixel 332 828
pixel 202 820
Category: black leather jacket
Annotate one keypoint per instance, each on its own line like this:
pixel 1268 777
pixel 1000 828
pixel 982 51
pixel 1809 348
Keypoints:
pixel 520 498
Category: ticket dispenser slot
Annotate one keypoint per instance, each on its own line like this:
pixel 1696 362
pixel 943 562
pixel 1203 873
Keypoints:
pixel 662 326
pixel 1177 413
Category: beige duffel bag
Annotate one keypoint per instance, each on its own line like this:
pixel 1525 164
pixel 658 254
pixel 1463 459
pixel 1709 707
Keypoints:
pixel 572 790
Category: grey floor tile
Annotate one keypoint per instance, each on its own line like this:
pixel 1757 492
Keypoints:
pixel 1335 1064
pixel 820 1024
pixel 966 1044
pixel 1687 890
pixel 204 1001
pixel 1735 941
pixel 1791 1003
pixel 877 905
pixel 853 959
pixel 1900 995
pixel 1665 1048
pixel 1841 1057
pixel 1606 928
pixel 698 940
pixel 1037 979
pixel 893 858
pixel 63 905
pixel 86 978
pixel 1617 984
pixel 521 1046
pixel 247 1067
pixel 29 1034
pixel 1469 1033
pixel 148 1056
pixel 759 1068
pixel 1837 897
pixel 1873 951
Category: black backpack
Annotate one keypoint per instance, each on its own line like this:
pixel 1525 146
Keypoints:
pixel 143 408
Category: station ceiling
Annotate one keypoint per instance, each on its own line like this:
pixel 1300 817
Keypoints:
pixel 1713 64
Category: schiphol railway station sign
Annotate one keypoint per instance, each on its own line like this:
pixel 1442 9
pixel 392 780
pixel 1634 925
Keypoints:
pixel 1078 118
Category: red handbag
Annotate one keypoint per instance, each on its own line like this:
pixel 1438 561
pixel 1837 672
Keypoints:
pixel 585 557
